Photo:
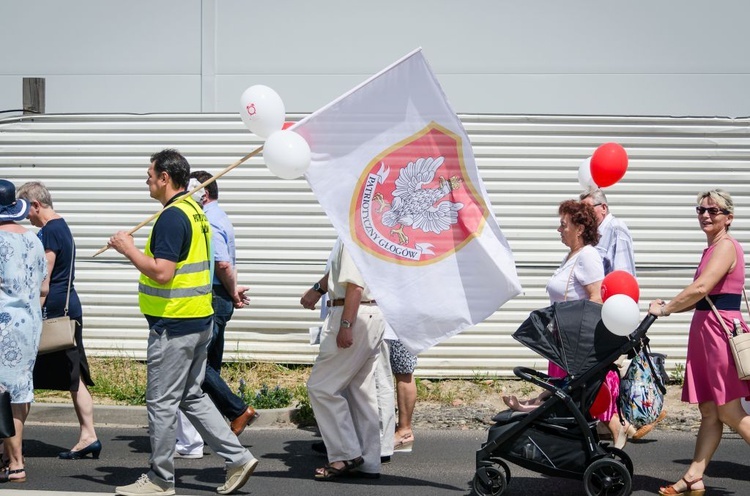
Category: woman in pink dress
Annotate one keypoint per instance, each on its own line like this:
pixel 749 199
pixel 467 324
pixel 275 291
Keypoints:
pixel 711 378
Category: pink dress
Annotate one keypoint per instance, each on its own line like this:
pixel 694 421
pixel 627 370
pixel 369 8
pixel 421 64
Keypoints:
pixel 710 374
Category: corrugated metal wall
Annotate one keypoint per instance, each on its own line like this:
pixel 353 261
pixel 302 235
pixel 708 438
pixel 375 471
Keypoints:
pixel 95 167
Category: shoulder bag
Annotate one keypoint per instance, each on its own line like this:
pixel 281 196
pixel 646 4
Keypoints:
pixel 739 342
pixel 642 389
pixel 59 333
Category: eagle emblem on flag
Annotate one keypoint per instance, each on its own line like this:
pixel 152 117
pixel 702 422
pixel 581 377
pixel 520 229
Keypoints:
pixel 415 203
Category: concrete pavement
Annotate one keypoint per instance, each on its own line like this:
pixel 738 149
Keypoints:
pixel 132 416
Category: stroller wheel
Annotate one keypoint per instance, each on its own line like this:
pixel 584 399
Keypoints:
pixel 607 477
pixel 500 463
pixel 489 481
pixel 621 457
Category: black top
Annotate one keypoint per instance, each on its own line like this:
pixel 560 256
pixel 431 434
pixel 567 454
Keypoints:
pixel 57 238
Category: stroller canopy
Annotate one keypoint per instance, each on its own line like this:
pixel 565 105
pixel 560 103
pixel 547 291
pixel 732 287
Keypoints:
pixel 570 334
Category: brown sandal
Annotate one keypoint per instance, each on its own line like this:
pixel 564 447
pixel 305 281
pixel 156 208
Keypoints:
pixel 689 491
pixel 329 472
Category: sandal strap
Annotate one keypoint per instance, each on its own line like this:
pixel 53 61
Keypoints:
pixel 353 463
pixel 689 484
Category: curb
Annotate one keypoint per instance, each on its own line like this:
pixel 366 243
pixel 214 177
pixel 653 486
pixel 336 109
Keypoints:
pixel 136 416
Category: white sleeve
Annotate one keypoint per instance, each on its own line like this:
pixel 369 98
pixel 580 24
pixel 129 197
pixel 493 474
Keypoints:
pixel 589 266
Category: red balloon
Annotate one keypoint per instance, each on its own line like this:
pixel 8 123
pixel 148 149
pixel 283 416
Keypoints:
pixel 608 164
pixel 620 282
pixel 287 125
pixel 601 402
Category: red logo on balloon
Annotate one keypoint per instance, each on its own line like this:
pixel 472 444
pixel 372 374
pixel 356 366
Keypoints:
pixel 415 203
pixel 251 109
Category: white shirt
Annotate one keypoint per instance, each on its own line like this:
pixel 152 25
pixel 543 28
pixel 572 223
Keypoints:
pixel 568 281
pixel 616 246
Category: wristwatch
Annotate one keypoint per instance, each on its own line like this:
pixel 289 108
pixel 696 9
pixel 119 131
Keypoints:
pixel 346 324
pixel 317 288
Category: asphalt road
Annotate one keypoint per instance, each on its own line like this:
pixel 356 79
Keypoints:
pixel 442 463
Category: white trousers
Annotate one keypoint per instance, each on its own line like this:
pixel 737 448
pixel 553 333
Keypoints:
pixel 386 399
pixel 189 442
pixel 342 389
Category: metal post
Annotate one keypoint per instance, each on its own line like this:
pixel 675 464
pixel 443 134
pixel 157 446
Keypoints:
pixel 33 95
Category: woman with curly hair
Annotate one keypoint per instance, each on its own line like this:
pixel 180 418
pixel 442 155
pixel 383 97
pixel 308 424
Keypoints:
pixel 579 277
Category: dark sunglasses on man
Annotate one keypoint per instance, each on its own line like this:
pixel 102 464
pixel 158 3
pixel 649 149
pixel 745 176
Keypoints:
pixel 711 210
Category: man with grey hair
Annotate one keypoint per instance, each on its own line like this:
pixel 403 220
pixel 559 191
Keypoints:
pixel 615 243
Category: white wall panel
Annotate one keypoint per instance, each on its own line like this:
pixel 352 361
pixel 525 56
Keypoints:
pixel 95 167
pixel 78 93
pixel 103 37
pixel 673 57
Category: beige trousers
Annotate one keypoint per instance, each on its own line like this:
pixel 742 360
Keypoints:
pixel 342 389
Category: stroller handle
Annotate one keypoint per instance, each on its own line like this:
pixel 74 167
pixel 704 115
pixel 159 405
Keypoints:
pixel 640 331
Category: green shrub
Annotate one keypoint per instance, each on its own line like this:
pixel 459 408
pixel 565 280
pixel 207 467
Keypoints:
pixel 123 380
pixel 677 376
pixel 304 415
pixel 265 398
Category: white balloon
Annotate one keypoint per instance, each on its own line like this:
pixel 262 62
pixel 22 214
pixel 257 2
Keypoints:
pixel 584 175
pixel 620 314
pixel 262 110
pixel 287 154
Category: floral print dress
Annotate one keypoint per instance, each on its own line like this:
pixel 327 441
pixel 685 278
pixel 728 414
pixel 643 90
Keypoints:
pixel 23 268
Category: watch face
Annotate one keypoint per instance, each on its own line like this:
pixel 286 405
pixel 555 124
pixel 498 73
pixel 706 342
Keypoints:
pixel 317 288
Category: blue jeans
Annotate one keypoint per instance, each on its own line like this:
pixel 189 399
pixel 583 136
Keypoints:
pixel 229 404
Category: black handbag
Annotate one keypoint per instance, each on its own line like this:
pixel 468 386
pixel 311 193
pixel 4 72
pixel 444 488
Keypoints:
pixel 7 428
pixel 659 361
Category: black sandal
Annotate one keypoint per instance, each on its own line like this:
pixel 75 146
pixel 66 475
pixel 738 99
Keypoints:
pixel 5 475
pixel 329 472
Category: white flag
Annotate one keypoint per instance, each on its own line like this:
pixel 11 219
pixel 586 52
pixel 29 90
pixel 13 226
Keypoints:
pixel 393 168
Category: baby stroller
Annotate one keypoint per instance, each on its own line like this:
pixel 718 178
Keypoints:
pixel 559 437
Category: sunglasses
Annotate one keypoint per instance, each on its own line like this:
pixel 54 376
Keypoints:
pixel 711 210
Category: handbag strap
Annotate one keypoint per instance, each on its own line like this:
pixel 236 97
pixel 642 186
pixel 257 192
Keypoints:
pixel 718 316
pixel 570 278
pixel 70 273
pixel 646 349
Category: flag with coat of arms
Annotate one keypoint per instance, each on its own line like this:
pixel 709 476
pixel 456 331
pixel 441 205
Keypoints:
pixel 394 171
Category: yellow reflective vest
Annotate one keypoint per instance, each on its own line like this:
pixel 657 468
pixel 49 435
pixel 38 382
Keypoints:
pixel 188 294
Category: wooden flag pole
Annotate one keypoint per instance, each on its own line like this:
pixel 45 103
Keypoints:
pixel 207 182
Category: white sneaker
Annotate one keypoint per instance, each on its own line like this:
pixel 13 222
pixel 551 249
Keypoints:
pixel 237 477
pixel 144 487
pixel 193 455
